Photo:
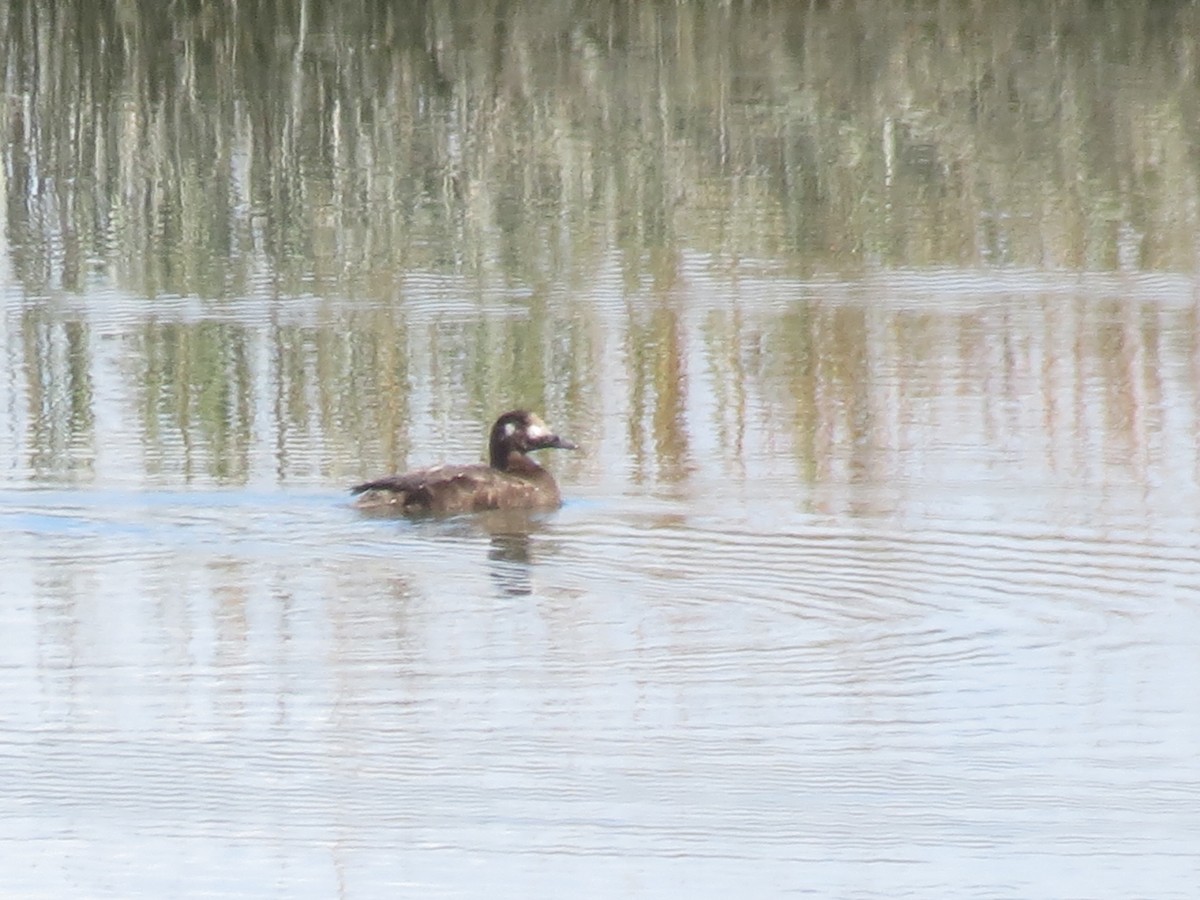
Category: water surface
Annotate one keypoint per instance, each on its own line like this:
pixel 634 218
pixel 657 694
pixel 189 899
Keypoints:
pixel 878 573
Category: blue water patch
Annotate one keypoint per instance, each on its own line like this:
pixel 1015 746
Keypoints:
pixel 45 523
pixel 269 520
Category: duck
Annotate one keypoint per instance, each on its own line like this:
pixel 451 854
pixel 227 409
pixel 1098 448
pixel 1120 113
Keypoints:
pixel 509 479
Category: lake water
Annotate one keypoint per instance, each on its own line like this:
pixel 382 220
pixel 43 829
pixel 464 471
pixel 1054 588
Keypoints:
pixel 878 572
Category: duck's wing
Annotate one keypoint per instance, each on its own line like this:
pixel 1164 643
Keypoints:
pixel 395 484
pixel 436 489
pixel 456 489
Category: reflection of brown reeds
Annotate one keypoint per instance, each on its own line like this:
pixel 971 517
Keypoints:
pixel 655 356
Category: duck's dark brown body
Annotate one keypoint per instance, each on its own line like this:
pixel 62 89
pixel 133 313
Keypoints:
pixel 511 480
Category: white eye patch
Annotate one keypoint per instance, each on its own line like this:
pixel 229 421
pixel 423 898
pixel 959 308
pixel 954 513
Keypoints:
pixel 510 429
pixel 537 431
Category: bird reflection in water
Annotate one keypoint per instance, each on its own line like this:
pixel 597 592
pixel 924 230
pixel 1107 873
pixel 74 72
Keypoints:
pixel 511 534
pixel 511 552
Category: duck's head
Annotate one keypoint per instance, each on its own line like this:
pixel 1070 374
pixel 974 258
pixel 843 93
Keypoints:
pixel 521 431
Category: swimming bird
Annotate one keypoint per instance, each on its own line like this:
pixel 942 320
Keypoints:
pixel 509 480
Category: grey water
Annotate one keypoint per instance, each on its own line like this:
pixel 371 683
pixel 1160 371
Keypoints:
pixel 878 572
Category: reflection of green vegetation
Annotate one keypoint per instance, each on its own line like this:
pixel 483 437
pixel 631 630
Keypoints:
pixel 276 150
pixel 197 391
pixel 339 142
pixel 61 421
pixel 338 391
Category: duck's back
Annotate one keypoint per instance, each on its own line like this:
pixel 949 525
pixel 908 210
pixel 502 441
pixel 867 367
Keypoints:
pixel 459 489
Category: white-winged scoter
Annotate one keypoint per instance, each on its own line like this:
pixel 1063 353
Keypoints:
pixel 510 480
